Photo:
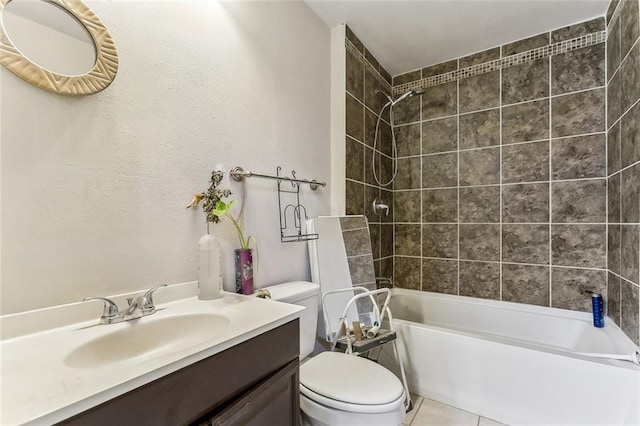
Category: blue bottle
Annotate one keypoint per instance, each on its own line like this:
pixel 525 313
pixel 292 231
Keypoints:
pixel 598 310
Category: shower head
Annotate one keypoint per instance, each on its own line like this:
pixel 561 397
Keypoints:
pixel 406 95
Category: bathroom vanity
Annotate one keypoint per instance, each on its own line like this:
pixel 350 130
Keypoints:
pixel 232 360
pixel 255 382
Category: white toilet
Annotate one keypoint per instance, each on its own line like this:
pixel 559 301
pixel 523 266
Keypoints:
pixel 338 389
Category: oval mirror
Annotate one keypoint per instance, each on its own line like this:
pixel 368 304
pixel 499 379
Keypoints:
pixel 49 36
pixel 57 45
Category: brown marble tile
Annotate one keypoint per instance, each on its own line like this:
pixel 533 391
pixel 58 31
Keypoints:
pixel 613 248
pixel 480 279
pixel 572 288
pixel 630 194
pixel 577 30
pixel 614 98
pixel 480 166
pixel 440 276
pixel 386 268
pixel 480 57
pixel 525 284
pixel 614 201
pixel 480 129
pixel 354 39
pixel 440 135
pixel 613 298
pixel 480 92
pixel 480 242
pixel 629 252
pixel 354 160
pixel 580 201
pixel 440 241
pixel 371 193
pixel 408 139
pixel 374 100
pixel 525 122
pixel 387 195
pixel 578 113
pixel 355 118
pixel 630 76
pixel 613 49
pixel 441 68
pixel 368 169
pixel 407 240
pixel 362 271
pixel 480 204
pixel 357 241
pixel 407 77
pixel 355 76
pixel 352 222
pixel 406 272
pixel 385 75
pixel 407 111
pixel 386 240
pixel 370 122
pixel 439 101
pixel 526 203
pixel 525 82
pixel 439 170
pixel 629 28
pixel 629 310
pixel 439 205
pixel 372 59
pixel 525 244
pixel 630 136
pixel 354 197
pixel 409 174
pixel 384 144
pixel 579 245
pixel 527 162
pixel 579 69
pixel 525 44
pixel 407 206
pixel 374 234
pixel 613 149
pixel 610 9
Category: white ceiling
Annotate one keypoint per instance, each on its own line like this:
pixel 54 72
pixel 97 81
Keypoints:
pixel 407 35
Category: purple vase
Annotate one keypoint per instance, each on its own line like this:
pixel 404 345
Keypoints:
pixel 244 271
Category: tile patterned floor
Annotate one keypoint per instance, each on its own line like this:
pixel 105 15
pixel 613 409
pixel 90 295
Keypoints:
pixel 428 412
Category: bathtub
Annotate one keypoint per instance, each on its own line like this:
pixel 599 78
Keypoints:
pixel 514 363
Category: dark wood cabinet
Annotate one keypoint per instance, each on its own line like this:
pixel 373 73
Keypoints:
pixel 253 383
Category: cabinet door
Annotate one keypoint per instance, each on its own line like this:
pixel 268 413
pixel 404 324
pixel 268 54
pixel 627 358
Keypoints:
pixel 274 401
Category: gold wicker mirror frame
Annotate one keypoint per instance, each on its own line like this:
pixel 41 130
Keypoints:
pixel 94 81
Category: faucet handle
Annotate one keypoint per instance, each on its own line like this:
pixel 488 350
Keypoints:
pixel 147 304
pixel 110 308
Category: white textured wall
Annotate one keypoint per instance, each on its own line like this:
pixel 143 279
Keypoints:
pixel 94 188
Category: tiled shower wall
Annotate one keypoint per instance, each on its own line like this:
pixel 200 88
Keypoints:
pixel 502 184
pixel 623 163
pixel 501 192
pixel 363 106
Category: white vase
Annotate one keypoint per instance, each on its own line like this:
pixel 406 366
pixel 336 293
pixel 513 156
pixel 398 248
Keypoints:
pixel 209 281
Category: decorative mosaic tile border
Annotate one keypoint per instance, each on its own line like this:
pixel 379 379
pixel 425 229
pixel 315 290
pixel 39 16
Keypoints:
pixel 508 61
pixel 361 58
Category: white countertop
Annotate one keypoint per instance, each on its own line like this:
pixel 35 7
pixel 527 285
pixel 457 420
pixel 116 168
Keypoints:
pixel 37 387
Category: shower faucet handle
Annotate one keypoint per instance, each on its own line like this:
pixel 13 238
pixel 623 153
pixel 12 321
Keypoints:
pixel 379 206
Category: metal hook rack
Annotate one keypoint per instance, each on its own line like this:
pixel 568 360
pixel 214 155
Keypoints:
pixel 291 212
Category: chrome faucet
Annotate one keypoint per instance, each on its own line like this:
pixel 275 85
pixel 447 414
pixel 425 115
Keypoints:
pixel 379 206
pixel 138 307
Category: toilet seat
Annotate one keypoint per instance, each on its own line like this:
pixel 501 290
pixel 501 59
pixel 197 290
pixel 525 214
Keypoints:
pixel 350 383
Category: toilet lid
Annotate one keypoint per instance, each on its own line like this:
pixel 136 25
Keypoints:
pixel 350 379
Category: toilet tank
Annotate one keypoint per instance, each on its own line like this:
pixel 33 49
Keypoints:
pixel 305 294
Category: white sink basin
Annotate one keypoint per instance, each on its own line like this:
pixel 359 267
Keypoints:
pixel 147 336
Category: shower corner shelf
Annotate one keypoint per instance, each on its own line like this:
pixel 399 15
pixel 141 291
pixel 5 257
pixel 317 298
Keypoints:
pixel 291 214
